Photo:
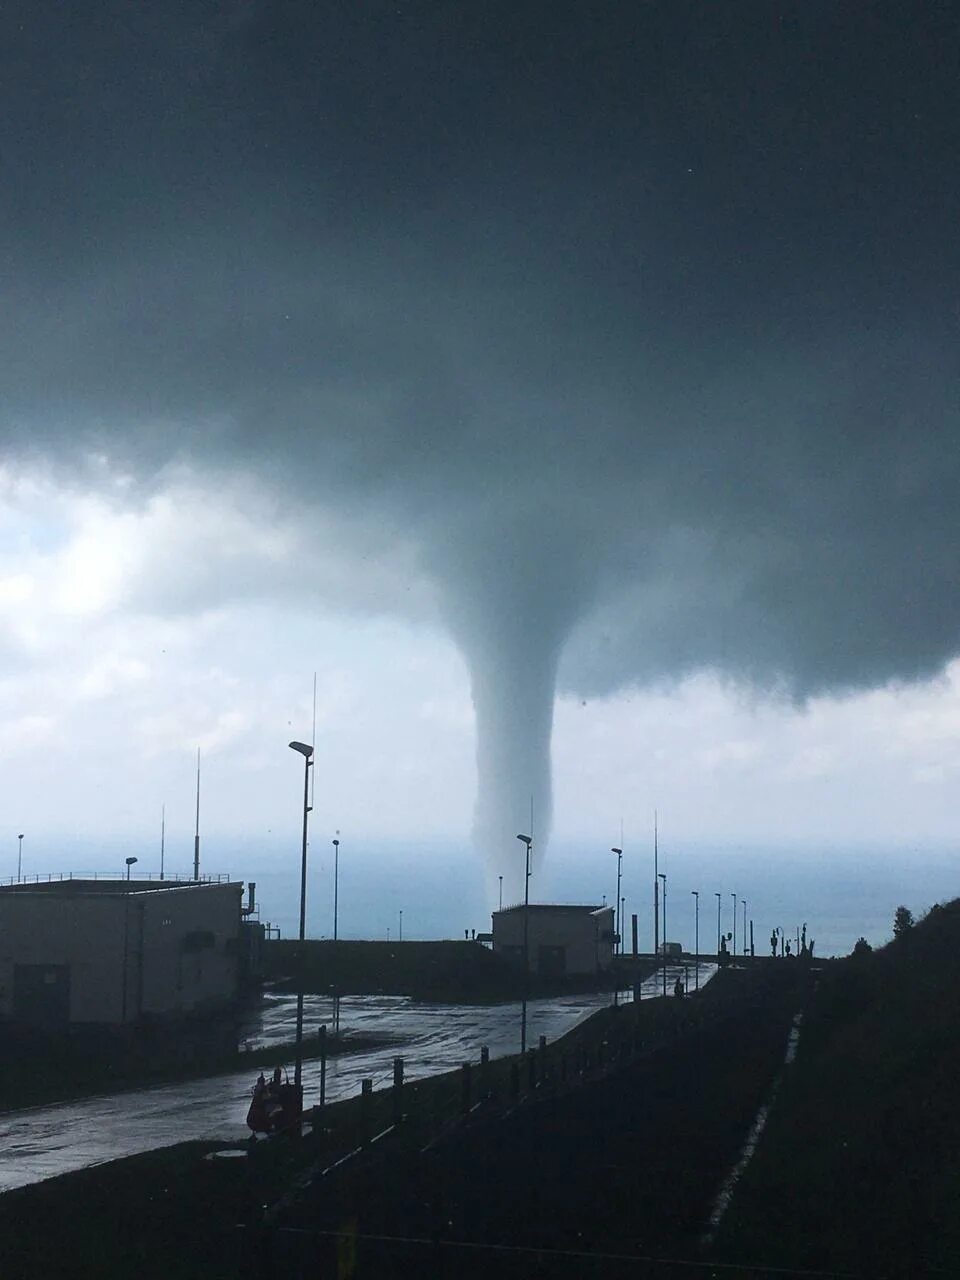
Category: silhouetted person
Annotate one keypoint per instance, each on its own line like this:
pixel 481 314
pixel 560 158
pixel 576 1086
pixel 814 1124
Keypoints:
pixel 789 952
pixel 277 1077
pixel 773 943
pixel 261 1081
pixel 678 987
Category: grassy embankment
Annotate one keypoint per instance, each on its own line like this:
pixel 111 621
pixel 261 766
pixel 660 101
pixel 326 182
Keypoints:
pixel 859 1168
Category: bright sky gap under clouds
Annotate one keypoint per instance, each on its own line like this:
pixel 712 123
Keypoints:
pixel 575 390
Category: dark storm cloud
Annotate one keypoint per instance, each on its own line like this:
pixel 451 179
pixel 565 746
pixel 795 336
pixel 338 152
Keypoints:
pixel 639 320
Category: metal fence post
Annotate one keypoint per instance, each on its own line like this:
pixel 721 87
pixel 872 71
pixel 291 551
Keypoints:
pixel 322 1044
pixel 366 1100
pixel 397 1090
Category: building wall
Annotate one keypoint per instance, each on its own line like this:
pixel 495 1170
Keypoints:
pixel 160 952
pixel 182 973
pixel 581 934
pixel 85 934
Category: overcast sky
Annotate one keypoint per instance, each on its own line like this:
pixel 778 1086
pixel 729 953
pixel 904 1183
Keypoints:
pixel 573 373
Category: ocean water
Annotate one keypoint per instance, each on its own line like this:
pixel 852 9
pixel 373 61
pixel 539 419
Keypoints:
pixel 840 894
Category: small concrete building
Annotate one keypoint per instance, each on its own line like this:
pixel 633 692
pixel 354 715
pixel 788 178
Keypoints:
pixel 88 954
pixel 563 941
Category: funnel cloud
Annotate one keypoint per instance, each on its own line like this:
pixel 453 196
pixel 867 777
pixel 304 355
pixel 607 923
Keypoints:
pixel 630 329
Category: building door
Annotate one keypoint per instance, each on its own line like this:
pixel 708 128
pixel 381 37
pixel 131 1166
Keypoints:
pixel 41 995
pixel 552 962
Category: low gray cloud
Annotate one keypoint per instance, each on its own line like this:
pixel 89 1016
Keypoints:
pixel 635 405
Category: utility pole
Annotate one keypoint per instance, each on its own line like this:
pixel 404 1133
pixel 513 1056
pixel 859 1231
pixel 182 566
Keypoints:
pixel 527 841
pixel 664 879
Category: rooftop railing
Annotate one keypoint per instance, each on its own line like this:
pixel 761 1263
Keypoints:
pixel 175 877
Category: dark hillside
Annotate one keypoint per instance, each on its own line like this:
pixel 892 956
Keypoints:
pixel 859 1168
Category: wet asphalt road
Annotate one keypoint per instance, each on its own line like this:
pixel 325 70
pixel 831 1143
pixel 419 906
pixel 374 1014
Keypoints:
pixel 42 1142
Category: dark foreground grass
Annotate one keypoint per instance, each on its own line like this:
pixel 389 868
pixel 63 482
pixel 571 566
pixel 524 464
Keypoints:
pixel 598 1180
pixel 859 1168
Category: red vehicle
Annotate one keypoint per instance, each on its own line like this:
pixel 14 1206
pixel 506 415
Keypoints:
pixel 276 1106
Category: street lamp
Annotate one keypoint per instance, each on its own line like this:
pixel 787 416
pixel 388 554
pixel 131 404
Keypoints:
pixel 527 841
pixel 696 944
pixel 663 877
pixel 306 752
pixel 19 856
pixel 618 922
pixel 734 939
pixel 401 926
pixel 618 917
pixel 336 885
pixel 743 903
pixel 717 896
pixel 129 862
pixel 500 878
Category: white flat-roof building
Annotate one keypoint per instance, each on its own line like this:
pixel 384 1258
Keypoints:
pixel 110 953
pixel 562 940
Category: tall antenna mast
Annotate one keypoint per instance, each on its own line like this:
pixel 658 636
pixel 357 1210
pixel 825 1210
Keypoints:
pixel 163 825
pixel 313 742
pixel 196 835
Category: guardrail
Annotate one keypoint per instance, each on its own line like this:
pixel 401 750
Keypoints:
pixel 54 877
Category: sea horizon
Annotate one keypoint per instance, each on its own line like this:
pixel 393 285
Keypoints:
pixel 840 894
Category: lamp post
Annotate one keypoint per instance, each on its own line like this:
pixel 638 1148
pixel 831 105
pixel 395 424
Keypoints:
pixel 617 916
pixel 19 856
pixel 696 936
pixel 663 877
pixel 129 862
pixel 717 896
pixel 734 938
pixel 306 752
pixel 743 903
pixel 401 926
pixel 618 922
pixel 336 884
pixel 500 878
pixel 527 841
